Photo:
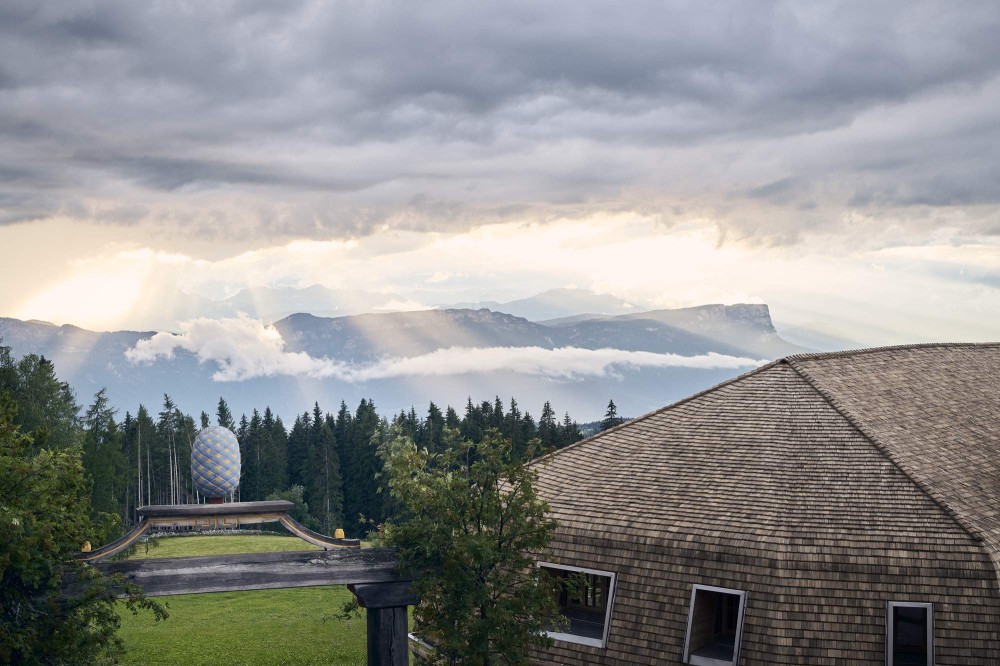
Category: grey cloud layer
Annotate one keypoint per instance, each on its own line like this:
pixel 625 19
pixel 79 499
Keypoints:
pixel 301 119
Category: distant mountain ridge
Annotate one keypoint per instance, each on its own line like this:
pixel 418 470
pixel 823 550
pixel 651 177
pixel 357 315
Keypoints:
pixel 738 330
pixel 554 303
pixel 89 360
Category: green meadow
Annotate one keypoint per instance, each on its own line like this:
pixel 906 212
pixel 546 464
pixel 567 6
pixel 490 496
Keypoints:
pixel 286 627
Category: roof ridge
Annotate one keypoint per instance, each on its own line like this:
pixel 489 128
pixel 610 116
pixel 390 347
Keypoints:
pixel 660 410
pixel 792 362
pixel 870 350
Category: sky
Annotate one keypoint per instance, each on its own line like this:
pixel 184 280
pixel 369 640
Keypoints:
pixel 838 161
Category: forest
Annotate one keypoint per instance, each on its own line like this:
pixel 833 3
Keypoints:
pixel 326 462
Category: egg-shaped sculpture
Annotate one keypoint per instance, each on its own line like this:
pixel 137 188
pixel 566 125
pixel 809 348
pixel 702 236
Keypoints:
pixel 215 462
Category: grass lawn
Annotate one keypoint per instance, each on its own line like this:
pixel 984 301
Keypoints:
pixel 187 546
pixel 294 626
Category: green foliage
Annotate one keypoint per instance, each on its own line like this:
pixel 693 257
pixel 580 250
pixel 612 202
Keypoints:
pixel 360 436
pixel 300 512
pixel 46 406
pixel 44 520
pixel 469 525
pixel 103 457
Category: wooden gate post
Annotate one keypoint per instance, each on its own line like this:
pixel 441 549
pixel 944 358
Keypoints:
pixel 386 604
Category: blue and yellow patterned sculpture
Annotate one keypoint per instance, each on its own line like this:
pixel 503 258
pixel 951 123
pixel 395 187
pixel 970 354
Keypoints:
pixel 215 462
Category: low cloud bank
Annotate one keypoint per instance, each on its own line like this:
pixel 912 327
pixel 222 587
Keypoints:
pixel 245 348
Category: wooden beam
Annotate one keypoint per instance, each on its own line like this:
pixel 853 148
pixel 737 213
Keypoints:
pixel 384 595
pixel 258 571
pixel 230 509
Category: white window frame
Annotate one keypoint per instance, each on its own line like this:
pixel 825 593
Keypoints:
pixel 583 640
pixel 889 628
pixel 706 661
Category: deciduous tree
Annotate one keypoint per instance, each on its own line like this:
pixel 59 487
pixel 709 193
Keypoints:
pixel 469 525
pixel 45 517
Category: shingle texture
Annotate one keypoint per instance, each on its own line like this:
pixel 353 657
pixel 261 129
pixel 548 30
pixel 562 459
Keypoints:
pixel 824 486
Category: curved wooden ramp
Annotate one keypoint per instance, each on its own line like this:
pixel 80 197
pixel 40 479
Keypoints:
pixel 315 538
pixel 116 547
pixel 217 517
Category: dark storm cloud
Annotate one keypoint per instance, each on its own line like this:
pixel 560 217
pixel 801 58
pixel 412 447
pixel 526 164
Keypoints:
pixel 448 114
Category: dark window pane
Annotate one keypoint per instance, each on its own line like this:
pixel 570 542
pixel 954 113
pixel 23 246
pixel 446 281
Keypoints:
pixel 714 625
pixel 909 633
pixel 583 600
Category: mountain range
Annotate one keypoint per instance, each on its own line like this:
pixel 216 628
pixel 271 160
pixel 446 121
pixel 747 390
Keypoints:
pixel 642 360
pixel 166 309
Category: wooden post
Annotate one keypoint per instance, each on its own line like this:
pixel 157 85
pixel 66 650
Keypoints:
pixel 387 641
pixel 386 603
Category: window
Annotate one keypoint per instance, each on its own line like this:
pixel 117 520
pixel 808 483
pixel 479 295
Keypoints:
pixel 585 599
pixel 715 625
pixel 910 634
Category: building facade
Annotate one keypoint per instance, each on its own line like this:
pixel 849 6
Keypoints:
pixel 824 509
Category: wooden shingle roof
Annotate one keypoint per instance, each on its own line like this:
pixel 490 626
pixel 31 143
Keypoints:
pixel 734 456
pixel 932 411
pixel 822 484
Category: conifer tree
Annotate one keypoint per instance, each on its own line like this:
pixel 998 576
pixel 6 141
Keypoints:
pixel 276 453
pixel 46 407
pixel 430 436
pixel 103 458
pixel 611 418
pixel 167 433
pixel 451 419
pixel 251 449
pixel 569 432
pixel 297 450
pixel 224 417
pixel 472 423
pixel 547 427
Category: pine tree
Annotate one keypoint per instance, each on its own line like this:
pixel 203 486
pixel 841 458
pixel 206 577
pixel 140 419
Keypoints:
pixel 569 432
pixel 473 422
pixel 103 458
pixel 547 427
pixel 224 417
pixel 251 450
pixel 511 429
pixel 298 450
pixel 430 436
pixel 275 446
pixel 611 418
pixel 145 438
pixel 46 407
pixel 332 482
pixel 167 431
pixel 451 419
pixel 363 506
